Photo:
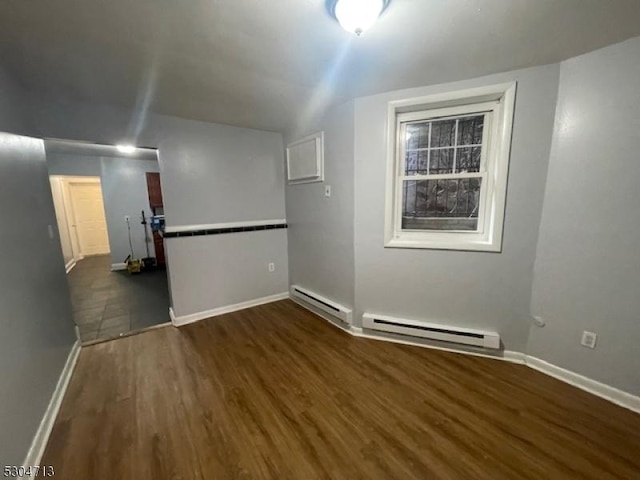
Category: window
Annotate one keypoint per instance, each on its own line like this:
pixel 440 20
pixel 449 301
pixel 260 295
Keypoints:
pixel 447 174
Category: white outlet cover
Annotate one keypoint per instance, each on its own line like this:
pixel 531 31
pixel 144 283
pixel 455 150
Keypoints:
pixel 327 191
pixel 272 267
pixel 589 339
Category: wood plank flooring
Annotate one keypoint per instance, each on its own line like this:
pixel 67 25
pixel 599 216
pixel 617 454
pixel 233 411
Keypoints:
pixel 276 392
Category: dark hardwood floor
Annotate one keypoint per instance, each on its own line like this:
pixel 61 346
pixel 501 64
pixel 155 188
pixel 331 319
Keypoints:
pixel 276 392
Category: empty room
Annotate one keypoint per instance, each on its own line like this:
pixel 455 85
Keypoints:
pixel 338 239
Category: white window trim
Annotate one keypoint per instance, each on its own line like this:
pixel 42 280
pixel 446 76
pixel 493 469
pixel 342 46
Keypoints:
pixel 488 238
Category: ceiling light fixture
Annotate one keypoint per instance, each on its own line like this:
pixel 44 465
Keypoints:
pixel 356 16
pixel 128 149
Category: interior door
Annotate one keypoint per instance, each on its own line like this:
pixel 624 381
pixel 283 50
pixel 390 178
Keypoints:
pixel 89 218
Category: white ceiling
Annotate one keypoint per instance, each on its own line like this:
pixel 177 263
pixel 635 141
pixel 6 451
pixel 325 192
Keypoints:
pixel 265 64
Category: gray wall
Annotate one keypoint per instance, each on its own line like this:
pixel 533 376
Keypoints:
pixel 225 270
pixel 124 190
pixel 587 272
pixel 36 326
pixel 210 174
pixel 75 165
pixel 13 106
pixel 321 252
pixel 469 289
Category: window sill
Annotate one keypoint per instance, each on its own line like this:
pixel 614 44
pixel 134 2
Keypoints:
pixel 463 244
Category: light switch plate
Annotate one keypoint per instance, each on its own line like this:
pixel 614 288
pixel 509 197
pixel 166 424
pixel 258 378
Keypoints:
pixel 589 339
pixel 327 191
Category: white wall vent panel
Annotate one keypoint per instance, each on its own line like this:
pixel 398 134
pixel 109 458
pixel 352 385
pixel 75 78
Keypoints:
pixel 324 304
pixel 431 331
pixel 305 159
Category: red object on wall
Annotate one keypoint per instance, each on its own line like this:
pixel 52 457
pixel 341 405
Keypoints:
pixel 154 189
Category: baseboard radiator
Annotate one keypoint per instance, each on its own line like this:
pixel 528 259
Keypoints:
pixel 443 333
pixel 324 304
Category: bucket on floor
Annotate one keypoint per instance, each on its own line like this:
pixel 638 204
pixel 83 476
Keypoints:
pixel 133 265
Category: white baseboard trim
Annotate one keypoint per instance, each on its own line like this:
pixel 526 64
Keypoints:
pixel 41 438
pixel 614 395
pixel 115 267
pixel 602 390
pixel 179 321
pixel 70 264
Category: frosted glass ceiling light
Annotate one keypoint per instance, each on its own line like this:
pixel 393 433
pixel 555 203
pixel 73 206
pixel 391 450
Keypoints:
pixel 357 16
pixel 128 149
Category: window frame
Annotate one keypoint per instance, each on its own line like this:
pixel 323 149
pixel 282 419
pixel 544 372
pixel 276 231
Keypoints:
pixel 498 102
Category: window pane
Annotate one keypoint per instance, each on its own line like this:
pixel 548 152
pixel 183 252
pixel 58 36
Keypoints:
pixel 443 133
pixel 441 204
pixel 417 135
pixel 468 159
pixel 416 163
pixel 470 130
pixel 441 161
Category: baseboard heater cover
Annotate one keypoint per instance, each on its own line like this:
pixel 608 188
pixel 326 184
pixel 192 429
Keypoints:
pixel 443 333
pixel 324 304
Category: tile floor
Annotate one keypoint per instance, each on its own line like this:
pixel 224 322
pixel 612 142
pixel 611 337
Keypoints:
pixel 107 304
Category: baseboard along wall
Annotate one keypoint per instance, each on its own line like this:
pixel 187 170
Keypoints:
pixel 70 264
pixel 612 394
pixel 41 437
pixel 181 320
pixel 602 390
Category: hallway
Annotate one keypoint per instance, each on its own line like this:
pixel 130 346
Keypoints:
pixel 108 304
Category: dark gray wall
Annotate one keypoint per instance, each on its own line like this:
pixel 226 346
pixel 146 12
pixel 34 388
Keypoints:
pixel 466 289
pixel 587 273
pixel 321 254
pixel 36 326
pixel 14 107
pixel 210 174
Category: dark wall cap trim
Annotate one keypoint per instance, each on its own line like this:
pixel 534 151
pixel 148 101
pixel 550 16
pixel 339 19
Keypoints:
pixel 222 231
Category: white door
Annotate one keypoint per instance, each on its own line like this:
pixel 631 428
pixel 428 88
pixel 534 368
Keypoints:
pixel 89 219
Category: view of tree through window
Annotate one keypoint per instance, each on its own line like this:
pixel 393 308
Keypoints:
pixel 442 155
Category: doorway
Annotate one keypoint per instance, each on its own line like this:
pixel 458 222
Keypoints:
pixel 89 220
pixel 80 214
pixel 106 203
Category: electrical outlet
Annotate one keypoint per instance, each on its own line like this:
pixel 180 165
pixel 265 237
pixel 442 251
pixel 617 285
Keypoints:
pixel 589 339
pixel 126 218
pixel 52 232
pixel 272 267
pixel 327 191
